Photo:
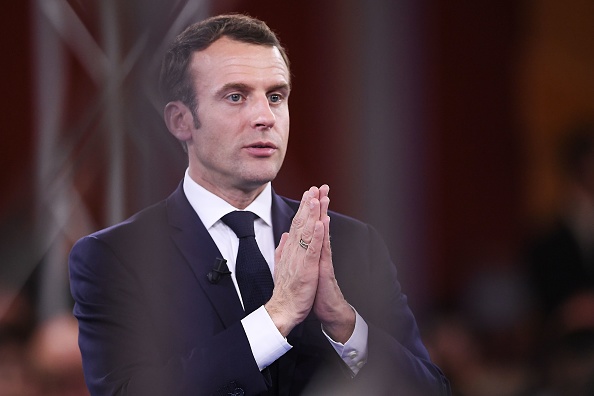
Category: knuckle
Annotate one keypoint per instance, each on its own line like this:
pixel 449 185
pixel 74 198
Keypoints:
pixel 297 222
pixel 306 235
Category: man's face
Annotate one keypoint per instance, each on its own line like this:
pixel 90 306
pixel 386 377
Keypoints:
pixel 242 91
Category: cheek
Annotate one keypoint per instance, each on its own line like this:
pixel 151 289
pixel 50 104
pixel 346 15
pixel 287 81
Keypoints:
pixel 208 145
pixel 285 134
pixel 215 146
pixel 282 124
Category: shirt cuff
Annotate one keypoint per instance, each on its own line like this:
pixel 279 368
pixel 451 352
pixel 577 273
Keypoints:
pixel 267 343
pixel 354 351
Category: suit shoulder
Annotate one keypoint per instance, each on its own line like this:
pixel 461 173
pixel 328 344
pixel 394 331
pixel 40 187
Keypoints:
pixel 142 224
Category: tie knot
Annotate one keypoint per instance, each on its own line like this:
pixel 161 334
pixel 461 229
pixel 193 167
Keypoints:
pixel 241 222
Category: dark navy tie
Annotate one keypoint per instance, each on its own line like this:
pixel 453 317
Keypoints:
pixel 251 270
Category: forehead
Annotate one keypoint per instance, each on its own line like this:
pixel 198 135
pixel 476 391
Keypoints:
pixel 228 60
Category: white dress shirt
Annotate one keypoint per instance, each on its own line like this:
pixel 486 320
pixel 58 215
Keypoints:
pixel 266 342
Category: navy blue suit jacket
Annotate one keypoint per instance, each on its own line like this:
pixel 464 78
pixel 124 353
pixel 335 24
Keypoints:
pixel 152 324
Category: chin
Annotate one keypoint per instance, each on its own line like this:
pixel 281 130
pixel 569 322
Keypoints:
pixel 261 173
pixel 260 179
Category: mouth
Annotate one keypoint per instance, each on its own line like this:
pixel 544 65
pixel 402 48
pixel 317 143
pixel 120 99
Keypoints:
pixel 261 149
pixel 262 145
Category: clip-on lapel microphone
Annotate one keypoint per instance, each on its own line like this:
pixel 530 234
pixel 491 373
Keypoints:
pixel 220 269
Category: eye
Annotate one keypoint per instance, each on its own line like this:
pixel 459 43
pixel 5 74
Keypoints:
pixel 235 97
pixel 275 98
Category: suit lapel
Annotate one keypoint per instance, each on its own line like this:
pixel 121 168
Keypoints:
pixel 199 250
pixel 282 215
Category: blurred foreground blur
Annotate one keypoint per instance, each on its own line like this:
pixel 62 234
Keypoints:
pixel 40 359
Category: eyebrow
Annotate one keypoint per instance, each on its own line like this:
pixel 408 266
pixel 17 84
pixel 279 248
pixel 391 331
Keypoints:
pixel 245 88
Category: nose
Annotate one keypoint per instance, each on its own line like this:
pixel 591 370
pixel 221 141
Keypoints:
pixel 262 115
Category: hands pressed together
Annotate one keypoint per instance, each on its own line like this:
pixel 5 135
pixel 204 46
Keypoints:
pixel 304 273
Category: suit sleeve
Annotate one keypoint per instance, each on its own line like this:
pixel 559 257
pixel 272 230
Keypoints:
pixel 397 358
pixel 118 345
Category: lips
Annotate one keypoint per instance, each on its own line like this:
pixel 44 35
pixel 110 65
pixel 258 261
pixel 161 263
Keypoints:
pixel 262 145
pixel 261 149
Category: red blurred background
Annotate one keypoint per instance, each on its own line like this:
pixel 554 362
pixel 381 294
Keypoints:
pixel 436 121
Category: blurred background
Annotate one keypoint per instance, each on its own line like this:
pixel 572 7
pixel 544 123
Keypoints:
pixel 462 130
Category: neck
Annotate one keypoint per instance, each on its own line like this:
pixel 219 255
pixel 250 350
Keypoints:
pixel 239 198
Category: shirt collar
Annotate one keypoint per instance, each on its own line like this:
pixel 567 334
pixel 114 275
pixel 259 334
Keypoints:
pixel 210 207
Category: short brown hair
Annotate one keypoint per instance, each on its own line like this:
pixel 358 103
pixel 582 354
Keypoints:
pixel 176 83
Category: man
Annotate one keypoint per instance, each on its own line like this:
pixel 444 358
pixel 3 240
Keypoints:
pixel 155 316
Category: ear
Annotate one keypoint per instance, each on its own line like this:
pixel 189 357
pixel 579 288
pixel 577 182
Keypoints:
pixel 179 120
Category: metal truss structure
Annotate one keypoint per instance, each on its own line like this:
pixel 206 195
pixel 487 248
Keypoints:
pixel 101 142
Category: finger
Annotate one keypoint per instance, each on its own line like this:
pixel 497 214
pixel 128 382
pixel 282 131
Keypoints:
pixel 300 216
pixel 324 203
pixel 303 223
pixel 315 192
pixel 326 253
pixel 278 252
pixel 324 190
pixel 307 231
pixel 281 245
pixel 315 246
pixel 324 200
